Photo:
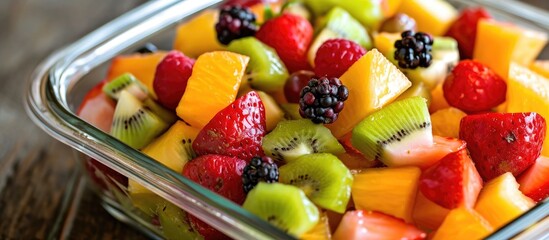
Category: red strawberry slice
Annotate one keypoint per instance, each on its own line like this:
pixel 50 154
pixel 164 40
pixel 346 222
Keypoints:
pixel 464 29
pixel 452 182
pixel 235 131
pixel 170 78
pixel 374 225
pixel 503 142
pixel 290 35
pixel 534 182
pixel 97 108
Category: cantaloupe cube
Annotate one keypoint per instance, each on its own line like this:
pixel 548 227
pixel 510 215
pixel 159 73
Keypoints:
pixel 432 16
pixel 541 67
pixel 463 223
pixel 198 35
pixel 498 44
pixel 427 214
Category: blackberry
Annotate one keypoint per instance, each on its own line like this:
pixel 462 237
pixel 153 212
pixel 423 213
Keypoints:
pixel 235 22
pixel 147 48
pixel 259 169
pixel 414 50
pixel 322 99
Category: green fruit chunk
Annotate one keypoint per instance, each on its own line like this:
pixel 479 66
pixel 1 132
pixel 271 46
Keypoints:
pixel 125 82
pixel 368 12
pixel 284 206
pixel 291 111
pixel 265 71
pixel 323 178
pixel 166 115
pixel 294 138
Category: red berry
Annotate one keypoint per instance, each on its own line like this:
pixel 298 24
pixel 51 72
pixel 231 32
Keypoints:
pixel 207 231
pixel 290 35
pixel 473 87
pixel 104 176
pixel 534 182
pixel 335 56
pixel 170 78
pixel 294 84
pixel 464 29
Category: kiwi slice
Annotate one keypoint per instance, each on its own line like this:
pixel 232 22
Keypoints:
pixel 392 132
pixel 128 83
pixel 172 219
pixel 294 138
pixel 323 178
pixel 284 206
pixel 165 114
pixel 133 124
pixel 265 71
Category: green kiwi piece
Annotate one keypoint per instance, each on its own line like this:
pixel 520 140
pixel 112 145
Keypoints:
pixel 133 124
pixel 323 177
pixel 128 83
pixel 284 206
pixel 265 71
pixel 172 219
pixel 166 115
pixel 368 12
pixel 391 133
pixel 291 111
pixel 294 138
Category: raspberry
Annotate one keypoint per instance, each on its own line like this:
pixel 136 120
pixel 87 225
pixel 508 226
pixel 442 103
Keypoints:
pixel 322 100
pixel 259 169
pixel 235 22
pixel 335 56
pixel 473 87
pixel 464 29
pixel 414 50
pixel 170 78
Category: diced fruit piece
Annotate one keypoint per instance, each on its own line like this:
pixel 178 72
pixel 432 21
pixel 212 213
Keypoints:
pixel 206 231
pixel 297 8
pixel 499 44
pixel 445 122
pixel 503 142
pixel 390 7
pixel 418 89
pixel 352 158
pixel 361 224
pixel 473 87
pixel 373 82
pixel 368 12
pixel 168 116
pixel 173 149
pixel 170 78
pixel 265 71
pixel 438 102
pixel 259 169
pixel 427 214
pixel 541 67
pixel 398 23
pixel 273 112
pixel 294 84
pixel 534 182
pixel 141 66
pixel 323 99
pixel 235 22
pixel 322 177
pixel 204 81
pixel 128 83
pixel 193 45
pixel 500 201
pixel 527 91
pixel 432 16
pixel 105 177
pixel 284 206
pixel 220 174
pixel 294 138
pixel 290 36
pixel 291 111
pixel 321 231
pixel 237 130
pixel 464 29
pixel 335 56
pixel 133 124
pixel 388 190
pixel 97 108
pixel 452 182
pixel 463 223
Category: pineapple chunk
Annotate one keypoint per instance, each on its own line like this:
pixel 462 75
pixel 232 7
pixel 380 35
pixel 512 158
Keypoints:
pixel 500 201
pixel 273 112
pixel 463 223
pixel 432 16
pixel 198 36
pixel 387 190
pixel 541 67
pixel 427 214
pixel 445 122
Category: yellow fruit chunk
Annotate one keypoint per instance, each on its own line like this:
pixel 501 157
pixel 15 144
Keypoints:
pixel 321 231
pixel 427 214
pixel 528 92
pixel 384 43
pixel 213 85
pixel 198 36
pixel 390 7
pixel 432 16
pixel 541 67
pixel 498 44
pixel 273 112
pixel 259 10
pixel 142 66
pixel 445 122
pixel 438 101
pixel 373 82
pixel 388 190
pixel 463 223
pixel 501 201
pixel 173 149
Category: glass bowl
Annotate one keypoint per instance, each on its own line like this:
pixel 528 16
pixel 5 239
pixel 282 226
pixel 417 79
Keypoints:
pixel 60 82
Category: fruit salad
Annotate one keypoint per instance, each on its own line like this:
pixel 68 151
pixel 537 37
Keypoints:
pixel 342 119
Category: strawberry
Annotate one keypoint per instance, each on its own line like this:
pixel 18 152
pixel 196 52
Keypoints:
pixel 361 224
pixel 452 182
pixel 534 182
pixel 464 29
pixel 473 87
pixel 97 108
pixel 335 56
pixel 170 78
pixel 236 130
pixel 290 35
pixel 207 231
pixel 503 142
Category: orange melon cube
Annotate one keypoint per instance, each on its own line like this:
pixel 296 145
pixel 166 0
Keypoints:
pixel 198 35
pixel 445 122
pixel 432 16
pixel 498 44
pixel 541 67
pixel 427 214
pixel 501 201
pixel 463 223
pixel 438 101
pixel 321 231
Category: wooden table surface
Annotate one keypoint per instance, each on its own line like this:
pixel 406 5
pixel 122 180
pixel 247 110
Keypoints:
pixel 34 169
